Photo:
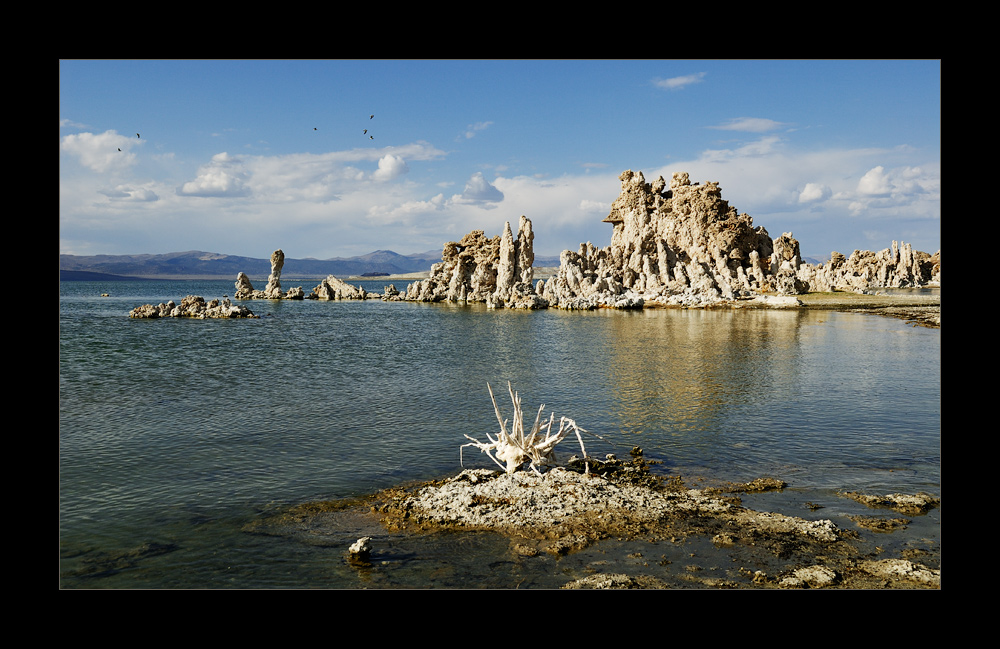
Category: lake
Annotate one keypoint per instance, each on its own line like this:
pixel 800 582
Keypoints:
pixel 174 434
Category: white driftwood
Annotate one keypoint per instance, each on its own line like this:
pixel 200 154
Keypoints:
pixel 515 448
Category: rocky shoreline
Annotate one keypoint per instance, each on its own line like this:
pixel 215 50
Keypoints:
pixel 567 510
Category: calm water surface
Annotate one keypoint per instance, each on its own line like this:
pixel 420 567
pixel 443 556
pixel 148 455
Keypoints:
pixel 176 433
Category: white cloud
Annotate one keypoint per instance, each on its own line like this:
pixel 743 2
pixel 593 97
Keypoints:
pixel 302 176
pixel 813 192
pixel 828 197
pixel 874 183
pixel 762 147
pixel 224 176
pixel 472 129
pixel 676 83
pixel 389 167
pixel 102 152
pixel 355 201
pixel 750 124
pixel 130 193
pixel 478 190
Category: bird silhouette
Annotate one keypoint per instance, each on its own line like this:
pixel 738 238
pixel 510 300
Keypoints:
pixel 119 148
pixel 137 135
pixel 371 137
pixel 314 128
pixel 371 116
pixel 366 132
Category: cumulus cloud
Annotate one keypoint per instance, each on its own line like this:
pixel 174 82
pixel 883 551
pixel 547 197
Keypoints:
pixel 478 190
pixel 895 190
pixel 223 176
pixel 874 183
pixel 101 152
pixel 813 192
pixel 389 167
pixel 676 83
pixel 303 176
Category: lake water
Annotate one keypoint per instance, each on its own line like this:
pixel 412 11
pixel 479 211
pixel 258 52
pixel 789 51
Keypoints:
pixel 174 434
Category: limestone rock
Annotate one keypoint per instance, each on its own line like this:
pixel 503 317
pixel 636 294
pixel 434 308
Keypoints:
pixel 361 549
pixel 192 306
pixel 333 288
pixel 391 294
pixel 273 288
pixel 897 267
pixel 496 271
pixel 246 291
pixel 681 245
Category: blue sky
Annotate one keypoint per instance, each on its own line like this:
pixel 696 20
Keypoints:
pixel 242 157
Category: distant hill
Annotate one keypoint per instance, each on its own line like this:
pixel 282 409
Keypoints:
pixel 199 264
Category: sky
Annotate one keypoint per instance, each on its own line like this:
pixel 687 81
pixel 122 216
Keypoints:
pixel 338 158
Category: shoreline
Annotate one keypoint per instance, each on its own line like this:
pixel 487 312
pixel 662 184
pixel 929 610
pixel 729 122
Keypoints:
pixel 620 514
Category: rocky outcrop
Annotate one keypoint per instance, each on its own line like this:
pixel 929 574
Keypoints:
pixel 681 244
pixel 496 271
pixel 392 294
pixel 333 288
pixel 897 267
pixel 246 291
pixel 192 306
pixel 273 288
pixel 330 288
pixel 684 245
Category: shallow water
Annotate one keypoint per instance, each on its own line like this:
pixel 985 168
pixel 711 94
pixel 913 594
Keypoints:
pixel 176 433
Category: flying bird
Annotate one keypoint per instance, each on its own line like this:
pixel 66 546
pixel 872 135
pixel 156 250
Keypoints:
pixel 314 128
pixel 119 148
pixel 137 135
pixel 371 137
pixel 366 132
pixel 371 116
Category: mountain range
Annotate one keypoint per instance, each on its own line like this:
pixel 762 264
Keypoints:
pixel 196 264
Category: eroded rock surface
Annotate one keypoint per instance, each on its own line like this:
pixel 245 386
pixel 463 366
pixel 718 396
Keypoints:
pixel 246 291
pixel 681 244
pixel 684 245
pixel 273 288
pixel 585 506
pixel 192 306
pixel 333 288
pixel 496 271
pixel 897 267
